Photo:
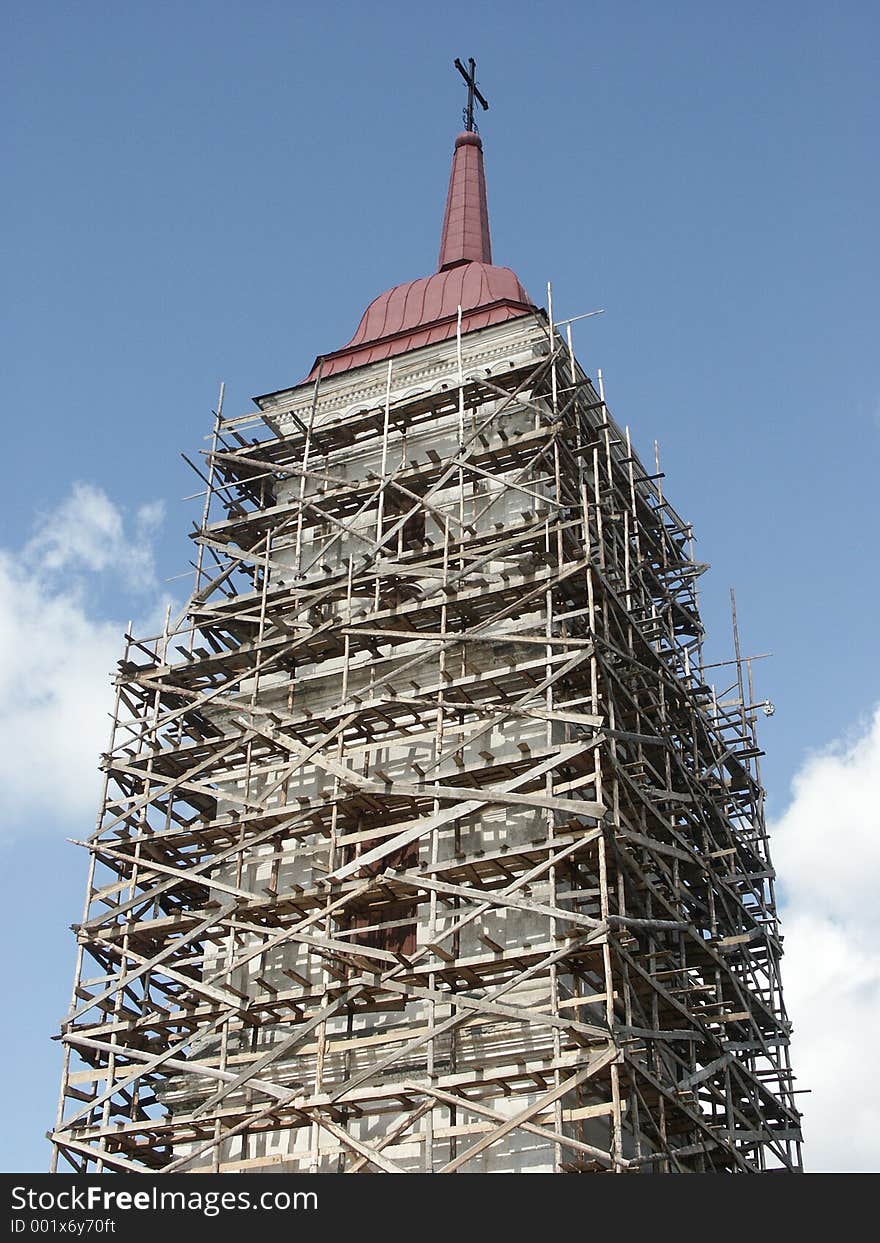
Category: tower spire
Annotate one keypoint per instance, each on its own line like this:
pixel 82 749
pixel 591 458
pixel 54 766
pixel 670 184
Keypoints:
pixel 465 235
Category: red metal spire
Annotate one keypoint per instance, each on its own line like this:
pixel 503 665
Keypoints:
pixel 465 237
pixel 424 311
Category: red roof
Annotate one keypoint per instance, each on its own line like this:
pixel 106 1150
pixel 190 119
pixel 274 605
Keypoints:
pixel 423 311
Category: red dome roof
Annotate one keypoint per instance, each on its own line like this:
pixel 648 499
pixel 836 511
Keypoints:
pixel 469 286
pixel 423 311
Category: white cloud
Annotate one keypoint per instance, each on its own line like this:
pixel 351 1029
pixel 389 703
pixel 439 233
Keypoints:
pixel 58 648
pixel 826 848
pixel 87 532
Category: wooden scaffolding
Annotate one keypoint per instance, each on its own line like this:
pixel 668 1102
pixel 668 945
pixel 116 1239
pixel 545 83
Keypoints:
pixel 424 844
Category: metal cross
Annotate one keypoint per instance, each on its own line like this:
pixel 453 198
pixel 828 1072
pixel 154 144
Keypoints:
pixel 470 76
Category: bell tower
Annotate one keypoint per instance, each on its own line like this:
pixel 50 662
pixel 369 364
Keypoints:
pixel 425 845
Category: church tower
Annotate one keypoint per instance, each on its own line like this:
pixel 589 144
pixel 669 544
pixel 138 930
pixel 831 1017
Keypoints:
pixel 425 845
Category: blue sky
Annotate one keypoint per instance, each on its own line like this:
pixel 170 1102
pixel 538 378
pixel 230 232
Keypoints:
pixel 198 192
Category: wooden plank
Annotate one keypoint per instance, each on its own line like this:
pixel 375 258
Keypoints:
pixel 536 1107
pixel 450 815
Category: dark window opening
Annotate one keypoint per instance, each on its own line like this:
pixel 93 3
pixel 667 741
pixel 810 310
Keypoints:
pixel 412 533
pixel 400 937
